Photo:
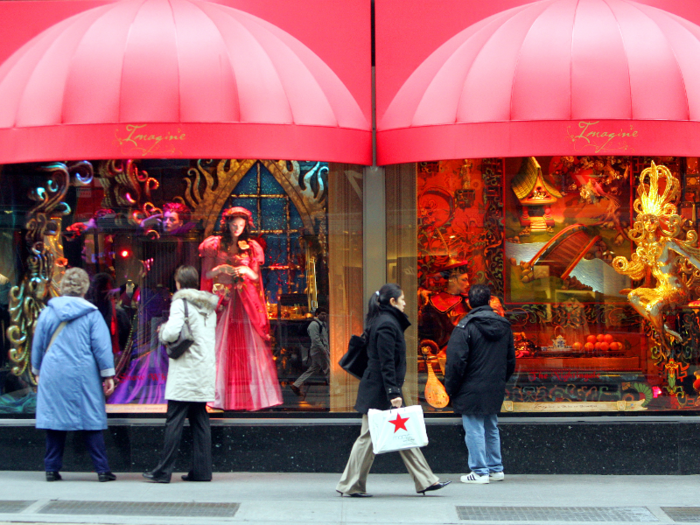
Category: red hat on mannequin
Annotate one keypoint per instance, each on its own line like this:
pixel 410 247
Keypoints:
pixel 237 211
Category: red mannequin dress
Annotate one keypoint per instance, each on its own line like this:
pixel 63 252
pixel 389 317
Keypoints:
pixel 246 375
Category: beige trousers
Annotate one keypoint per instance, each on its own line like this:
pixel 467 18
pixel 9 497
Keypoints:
pixel 354 478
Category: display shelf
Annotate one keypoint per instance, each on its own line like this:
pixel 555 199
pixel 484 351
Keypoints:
pixel 626 363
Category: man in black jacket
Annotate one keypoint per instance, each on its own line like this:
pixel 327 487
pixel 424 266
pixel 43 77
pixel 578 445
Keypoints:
pixel 480 360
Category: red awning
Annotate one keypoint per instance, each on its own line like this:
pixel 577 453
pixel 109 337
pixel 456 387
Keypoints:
pixel 552 77
pixel 179 79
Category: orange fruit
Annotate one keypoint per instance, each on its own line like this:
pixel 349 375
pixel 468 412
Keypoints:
pixel 589 347
pixel 591 339
pixel 600 337
pixel 608 338
pixel 604 346
pixel 576 346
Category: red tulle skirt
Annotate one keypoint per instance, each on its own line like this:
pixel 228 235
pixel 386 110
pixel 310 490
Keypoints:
pixel 246 374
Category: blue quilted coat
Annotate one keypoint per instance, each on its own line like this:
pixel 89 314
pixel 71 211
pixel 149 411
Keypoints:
pixel 70 395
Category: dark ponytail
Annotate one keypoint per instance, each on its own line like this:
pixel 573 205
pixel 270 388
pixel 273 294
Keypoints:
pixel 381 298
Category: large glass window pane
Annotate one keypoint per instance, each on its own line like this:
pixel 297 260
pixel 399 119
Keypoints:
pixel 542 233
pixel 130 224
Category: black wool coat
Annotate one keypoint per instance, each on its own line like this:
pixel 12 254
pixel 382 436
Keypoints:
pixel 480 360
pixel 386 361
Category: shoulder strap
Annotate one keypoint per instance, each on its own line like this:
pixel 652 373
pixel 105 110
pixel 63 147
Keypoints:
pixel 187 316
pixel 55 335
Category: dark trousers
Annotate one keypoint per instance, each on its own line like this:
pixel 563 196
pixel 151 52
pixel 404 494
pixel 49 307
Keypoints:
pixel 56 443
pixel 201 431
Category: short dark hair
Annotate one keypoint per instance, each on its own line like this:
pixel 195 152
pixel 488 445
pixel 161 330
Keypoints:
pixel 187 276
pixel 320 311
pixel 479 295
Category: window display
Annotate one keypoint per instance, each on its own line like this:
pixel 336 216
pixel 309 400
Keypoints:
pixel 553 239
pixel 257 229
pixel 246 378
pixel 593 260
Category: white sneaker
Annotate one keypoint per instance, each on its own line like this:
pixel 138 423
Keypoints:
pixel 497 476
pixel 474 478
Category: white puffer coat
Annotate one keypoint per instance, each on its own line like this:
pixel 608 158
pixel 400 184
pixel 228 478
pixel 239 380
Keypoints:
pixel 192 376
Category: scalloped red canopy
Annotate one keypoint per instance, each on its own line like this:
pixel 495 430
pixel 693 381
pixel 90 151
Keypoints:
pixel 175 78
pixel 552 77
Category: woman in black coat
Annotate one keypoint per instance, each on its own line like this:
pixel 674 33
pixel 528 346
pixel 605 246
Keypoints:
pixel 380 388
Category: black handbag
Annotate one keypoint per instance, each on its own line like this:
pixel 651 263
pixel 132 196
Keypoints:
pixel 354 362
pixel 184 341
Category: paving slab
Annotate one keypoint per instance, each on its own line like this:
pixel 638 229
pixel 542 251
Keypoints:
pixel 284 498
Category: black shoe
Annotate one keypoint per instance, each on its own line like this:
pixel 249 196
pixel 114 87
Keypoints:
pixel 106 476
pixel 295 389
pixel 356 494
pixel 150 476
pixel 53 476
pixel 188 477
pixel 436 486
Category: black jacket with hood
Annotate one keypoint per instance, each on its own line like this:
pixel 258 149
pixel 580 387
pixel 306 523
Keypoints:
pixel 386 361
pixel 480 360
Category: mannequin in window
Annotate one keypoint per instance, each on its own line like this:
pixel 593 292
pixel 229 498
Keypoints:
pixel 167 241
pixel 246 376
pixel 440 312
pixel 172 247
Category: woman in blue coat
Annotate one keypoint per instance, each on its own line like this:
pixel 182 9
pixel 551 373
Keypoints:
pixel 74 373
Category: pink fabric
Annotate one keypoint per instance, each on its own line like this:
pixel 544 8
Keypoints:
pixel 184 141
pixel 193 70
pixel 524 139
pixel 246 376
pixel 548 64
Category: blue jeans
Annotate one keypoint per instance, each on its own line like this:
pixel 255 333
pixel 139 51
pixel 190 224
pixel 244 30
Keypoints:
pixel 483 443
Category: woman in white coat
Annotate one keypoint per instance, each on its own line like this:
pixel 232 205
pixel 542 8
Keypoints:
pixel 191 378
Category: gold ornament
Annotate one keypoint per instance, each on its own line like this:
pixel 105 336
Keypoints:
pixel 45 262
pixel 660 250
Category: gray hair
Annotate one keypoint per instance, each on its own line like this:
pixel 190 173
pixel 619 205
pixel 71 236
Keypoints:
pixel 75 283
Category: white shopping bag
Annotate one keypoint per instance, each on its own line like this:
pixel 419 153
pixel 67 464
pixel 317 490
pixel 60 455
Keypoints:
pixel 397 429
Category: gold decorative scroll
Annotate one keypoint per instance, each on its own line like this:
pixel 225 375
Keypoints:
pixel 45 261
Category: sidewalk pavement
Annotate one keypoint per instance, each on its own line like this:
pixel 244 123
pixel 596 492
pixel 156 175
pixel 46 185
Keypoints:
pixel 268 498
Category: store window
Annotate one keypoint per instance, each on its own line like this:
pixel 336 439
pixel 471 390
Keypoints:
pixel 544 234
pixel 130 224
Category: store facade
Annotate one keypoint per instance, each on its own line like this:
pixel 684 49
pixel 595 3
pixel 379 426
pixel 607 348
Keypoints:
pixel 560 188
pixel 506 161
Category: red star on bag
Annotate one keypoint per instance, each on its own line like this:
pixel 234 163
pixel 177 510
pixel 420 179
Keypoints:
pixel 399 423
